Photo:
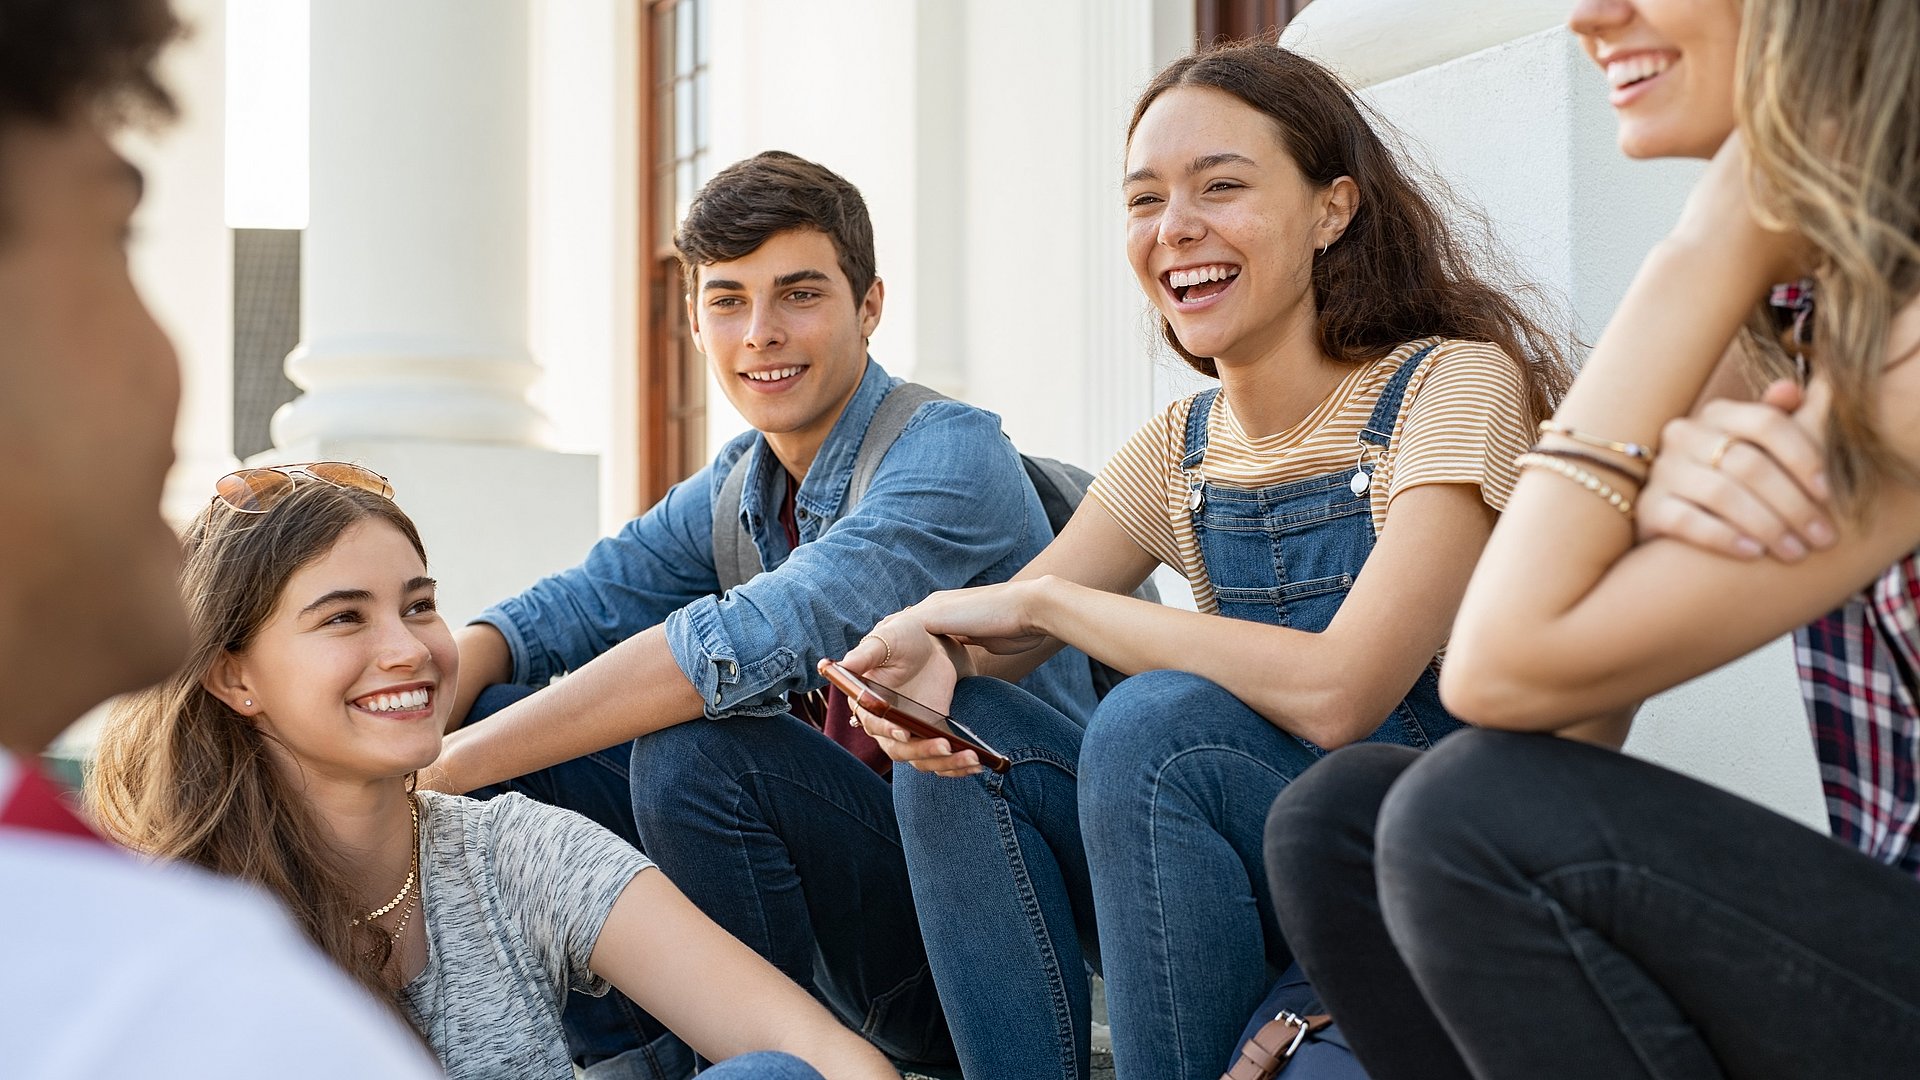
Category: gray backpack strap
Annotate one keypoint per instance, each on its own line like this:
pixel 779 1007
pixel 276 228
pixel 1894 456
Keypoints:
pixel 889 420
pixel 735 560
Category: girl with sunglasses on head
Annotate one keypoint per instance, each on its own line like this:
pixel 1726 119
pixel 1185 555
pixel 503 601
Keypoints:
pixel 1627 921
pixel 1325 502
pixel 283 753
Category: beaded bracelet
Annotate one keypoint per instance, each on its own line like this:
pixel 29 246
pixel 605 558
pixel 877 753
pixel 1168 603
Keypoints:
pixel 1636 451
pixel 1579 476
pixel 1595 460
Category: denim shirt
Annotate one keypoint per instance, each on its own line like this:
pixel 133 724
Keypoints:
pixel 949 507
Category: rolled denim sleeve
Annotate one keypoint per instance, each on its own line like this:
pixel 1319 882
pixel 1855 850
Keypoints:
pixel 949 506
pixel 660 562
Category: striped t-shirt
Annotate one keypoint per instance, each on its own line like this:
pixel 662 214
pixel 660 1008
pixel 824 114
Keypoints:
pixel 1463 421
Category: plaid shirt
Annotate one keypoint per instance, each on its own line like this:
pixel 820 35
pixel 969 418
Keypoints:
pixel 1859 673
pixel 1859 670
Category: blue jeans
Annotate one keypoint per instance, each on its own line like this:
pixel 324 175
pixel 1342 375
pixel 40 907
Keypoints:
pixel 765 1065
pixel 1153 819
pixel 610 1037
pixel 1176 777
pixel 790 843
pixel 1000 877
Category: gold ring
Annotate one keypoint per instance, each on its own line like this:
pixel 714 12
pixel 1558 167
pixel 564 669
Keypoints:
pixel 1719 451
pixel 888 659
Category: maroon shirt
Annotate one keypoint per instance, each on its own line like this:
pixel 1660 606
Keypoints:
pixel 836 719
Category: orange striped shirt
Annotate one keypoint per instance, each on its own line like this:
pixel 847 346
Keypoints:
pixel 1463 421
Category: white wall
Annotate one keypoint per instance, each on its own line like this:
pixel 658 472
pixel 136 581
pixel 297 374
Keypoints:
pixel 182 254
pixel 987 138
pixel 584 244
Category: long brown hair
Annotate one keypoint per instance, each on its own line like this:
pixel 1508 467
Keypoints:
pixel 1400 271
pixel 181 775
pixel 1828 101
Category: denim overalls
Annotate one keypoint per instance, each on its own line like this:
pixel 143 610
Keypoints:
pixel 1286 555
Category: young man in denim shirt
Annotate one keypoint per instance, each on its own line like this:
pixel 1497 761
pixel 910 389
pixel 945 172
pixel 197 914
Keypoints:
pixel 770 823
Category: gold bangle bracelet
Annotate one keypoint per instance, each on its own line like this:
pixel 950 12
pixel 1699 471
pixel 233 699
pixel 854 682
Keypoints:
pixel 1636 451
pixel 1578 475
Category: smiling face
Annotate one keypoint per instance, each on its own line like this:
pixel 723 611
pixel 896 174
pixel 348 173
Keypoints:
pixel 348 673
pixel 88 391
pixel 1670 64
pixel 785 335
pixel 1222 226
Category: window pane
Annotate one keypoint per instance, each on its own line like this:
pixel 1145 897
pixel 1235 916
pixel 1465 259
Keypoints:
pixel 703 32
pixel 684 128
pixel 683 38
pixel 703 112
pixel 684 186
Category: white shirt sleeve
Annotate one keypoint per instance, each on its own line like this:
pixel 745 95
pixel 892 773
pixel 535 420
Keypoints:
pixel 135 971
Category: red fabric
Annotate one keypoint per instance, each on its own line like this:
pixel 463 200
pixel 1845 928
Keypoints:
pixel 35 804
pixel 838 723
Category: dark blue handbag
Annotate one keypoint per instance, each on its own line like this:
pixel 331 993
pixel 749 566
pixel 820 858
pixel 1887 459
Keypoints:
pixel 1320 1054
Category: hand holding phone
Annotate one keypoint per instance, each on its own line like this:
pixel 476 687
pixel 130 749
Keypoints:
pixel 898 708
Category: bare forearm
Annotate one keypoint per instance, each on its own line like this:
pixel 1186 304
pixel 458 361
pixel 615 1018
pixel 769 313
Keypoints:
pixel 1565 618
pixel 485 660
pixel 1304 683
pixel 632 689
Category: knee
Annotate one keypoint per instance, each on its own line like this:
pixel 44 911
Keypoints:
pixel 1324 821
pixel 1147 723
pixel 678 765
pixel 1461 807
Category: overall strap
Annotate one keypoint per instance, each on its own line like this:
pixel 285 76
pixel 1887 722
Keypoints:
pixel 1196 437
pixel 1379 429
pixel 735 560
pixel 889 420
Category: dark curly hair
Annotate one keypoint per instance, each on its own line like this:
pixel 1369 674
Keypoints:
pixel 62 60
pixel 1404 269
pixel 62 56
pixel 768 193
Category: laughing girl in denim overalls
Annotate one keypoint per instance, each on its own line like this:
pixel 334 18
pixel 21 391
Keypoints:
pixel 1366 377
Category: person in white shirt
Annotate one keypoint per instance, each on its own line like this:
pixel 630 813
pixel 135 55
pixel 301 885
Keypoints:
pixel 109 966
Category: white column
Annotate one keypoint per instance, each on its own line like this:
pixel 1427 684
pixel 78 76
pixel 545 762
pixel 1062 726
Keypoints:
pixel 414 272
pixel 414 303
pixel 1498 95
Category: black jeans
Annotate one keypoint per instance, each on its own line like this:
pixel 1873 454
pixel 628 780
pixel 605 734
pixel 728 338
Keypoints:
pixel 1522 906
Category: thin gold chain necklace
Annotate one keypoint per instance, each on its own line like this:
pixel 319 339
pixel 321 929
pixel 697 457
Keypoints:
pixel 406 889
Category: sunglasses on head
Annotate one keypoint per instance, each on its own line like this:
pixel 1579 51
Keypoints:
pixel 256 491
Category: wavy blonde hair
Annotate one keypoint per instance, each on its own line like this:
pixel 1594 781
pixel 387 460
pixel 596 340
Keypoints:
pixel 180 775
pixel 1828 101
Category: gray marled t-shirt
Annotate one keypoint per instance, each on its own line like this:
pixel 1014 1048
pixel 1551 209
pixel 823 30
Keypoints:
pixel 516 892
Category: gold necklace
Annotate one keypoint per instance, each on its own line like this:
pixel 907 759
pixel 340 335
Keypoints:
pixel 406 889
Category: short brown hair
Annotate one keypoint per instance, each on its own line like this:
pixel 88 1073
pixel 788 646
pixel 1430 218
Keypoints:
pixel 768 193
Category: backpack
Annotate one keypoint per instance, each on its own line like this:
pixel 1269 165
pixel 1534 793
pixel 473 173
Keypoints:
pixel 1060 486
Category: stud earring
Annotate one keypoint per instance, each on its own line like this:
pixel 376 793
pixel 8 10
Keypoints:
pixel 248 703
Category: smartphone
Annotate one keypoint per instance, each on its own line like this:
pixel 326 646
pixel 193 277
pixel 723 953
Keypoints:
pixel 910 714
